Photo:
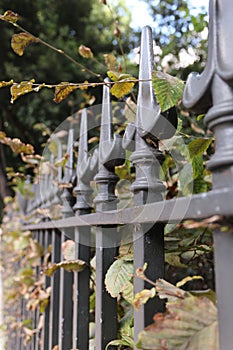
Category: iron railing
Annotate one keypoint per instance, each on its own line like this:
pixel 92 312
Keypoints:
pixel 67 317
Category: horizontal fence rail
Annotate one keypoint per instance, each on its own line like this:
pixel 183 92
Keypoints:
pixel 94 225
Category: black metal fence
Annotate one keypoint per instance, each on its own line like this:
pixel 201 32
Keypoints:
pixel 67 318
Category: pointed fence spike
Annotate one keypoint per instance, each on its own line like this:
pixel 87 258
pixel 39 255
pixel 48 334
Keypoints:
pixel 145 93
pixel 83 138
pixel 69 164
pixel 106 119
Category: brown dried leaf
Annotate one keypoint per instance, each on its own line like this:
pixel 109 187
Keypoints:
pixel 20 89
pixel 10 16
pixel 62 90
pixel 167 290
pixel 18 146
pixel 183 327
pixel 142 297
pixel 70 265
pixel 68 250
pixel 20 41
pixel 110 61
pixel 85 51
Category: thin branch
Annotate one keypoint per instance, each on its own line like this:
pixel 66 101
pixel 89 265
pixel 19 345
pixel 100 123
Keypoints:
pixel 61 52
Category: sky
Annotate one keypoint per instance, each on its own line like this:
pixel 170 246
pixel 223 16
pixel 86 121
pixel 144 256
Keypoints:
pixel 140 12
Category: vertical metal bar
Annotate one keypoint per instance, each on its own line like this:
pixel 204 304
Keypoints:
pixel 65 302
pixel 54 298
pixel 66 278
pixel 212 91
pixel 45 341
pixel 86 169
pixel 143 137
pixel 148 239
pixel 37 338
pixel 110 155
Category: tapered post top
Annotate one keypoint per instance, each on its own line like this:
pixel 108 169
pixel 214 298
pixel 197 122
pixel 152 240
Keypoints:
pixel 86 168
pixel 150 124
pixel 212 92
pixel 111 152
pixel 66 197
pixel 207 89
pixel 68 172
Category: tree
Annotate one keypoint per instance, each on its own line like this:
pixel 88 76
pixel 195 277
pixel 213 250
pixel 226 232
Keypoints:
pixel 66 25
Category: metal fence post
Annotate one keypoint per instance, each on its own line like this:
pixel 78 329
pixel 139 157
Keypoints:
pixel 110 155
pixel 66 278
pixel 86 169
pixel 143 137
pixel 212 91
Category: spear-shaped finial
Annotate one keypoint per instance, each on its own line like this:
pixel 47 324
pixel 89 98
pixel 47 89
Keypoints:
pixel 111 152
pixel 211 91
pixel 86 167
pixel 151 124
pixel 67 198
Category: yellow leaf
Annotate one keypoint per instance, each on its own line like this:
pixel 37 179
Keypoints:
pixel 85 51
pixel 62 162
pixel 114 76
pixel 6 83
pixel 62 90
pixel 2 135
pixel 20 89
pixel 121 89
pixel 10 16
pixel 188 279
pixel 123 85
pixel 84 85
pixel 20 41
pixel 143 297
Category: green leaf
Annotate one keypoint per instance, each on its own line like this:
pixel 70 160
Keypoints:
pixel 199 185
pixel 62 90
pixel 20 41
pixel 168 89
pixel 128 292
pixel 117 342
pixel 183 327
pixel 198 146
pixel 174 260
pixel 70 265
pixel 118 276
pixel 197 164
